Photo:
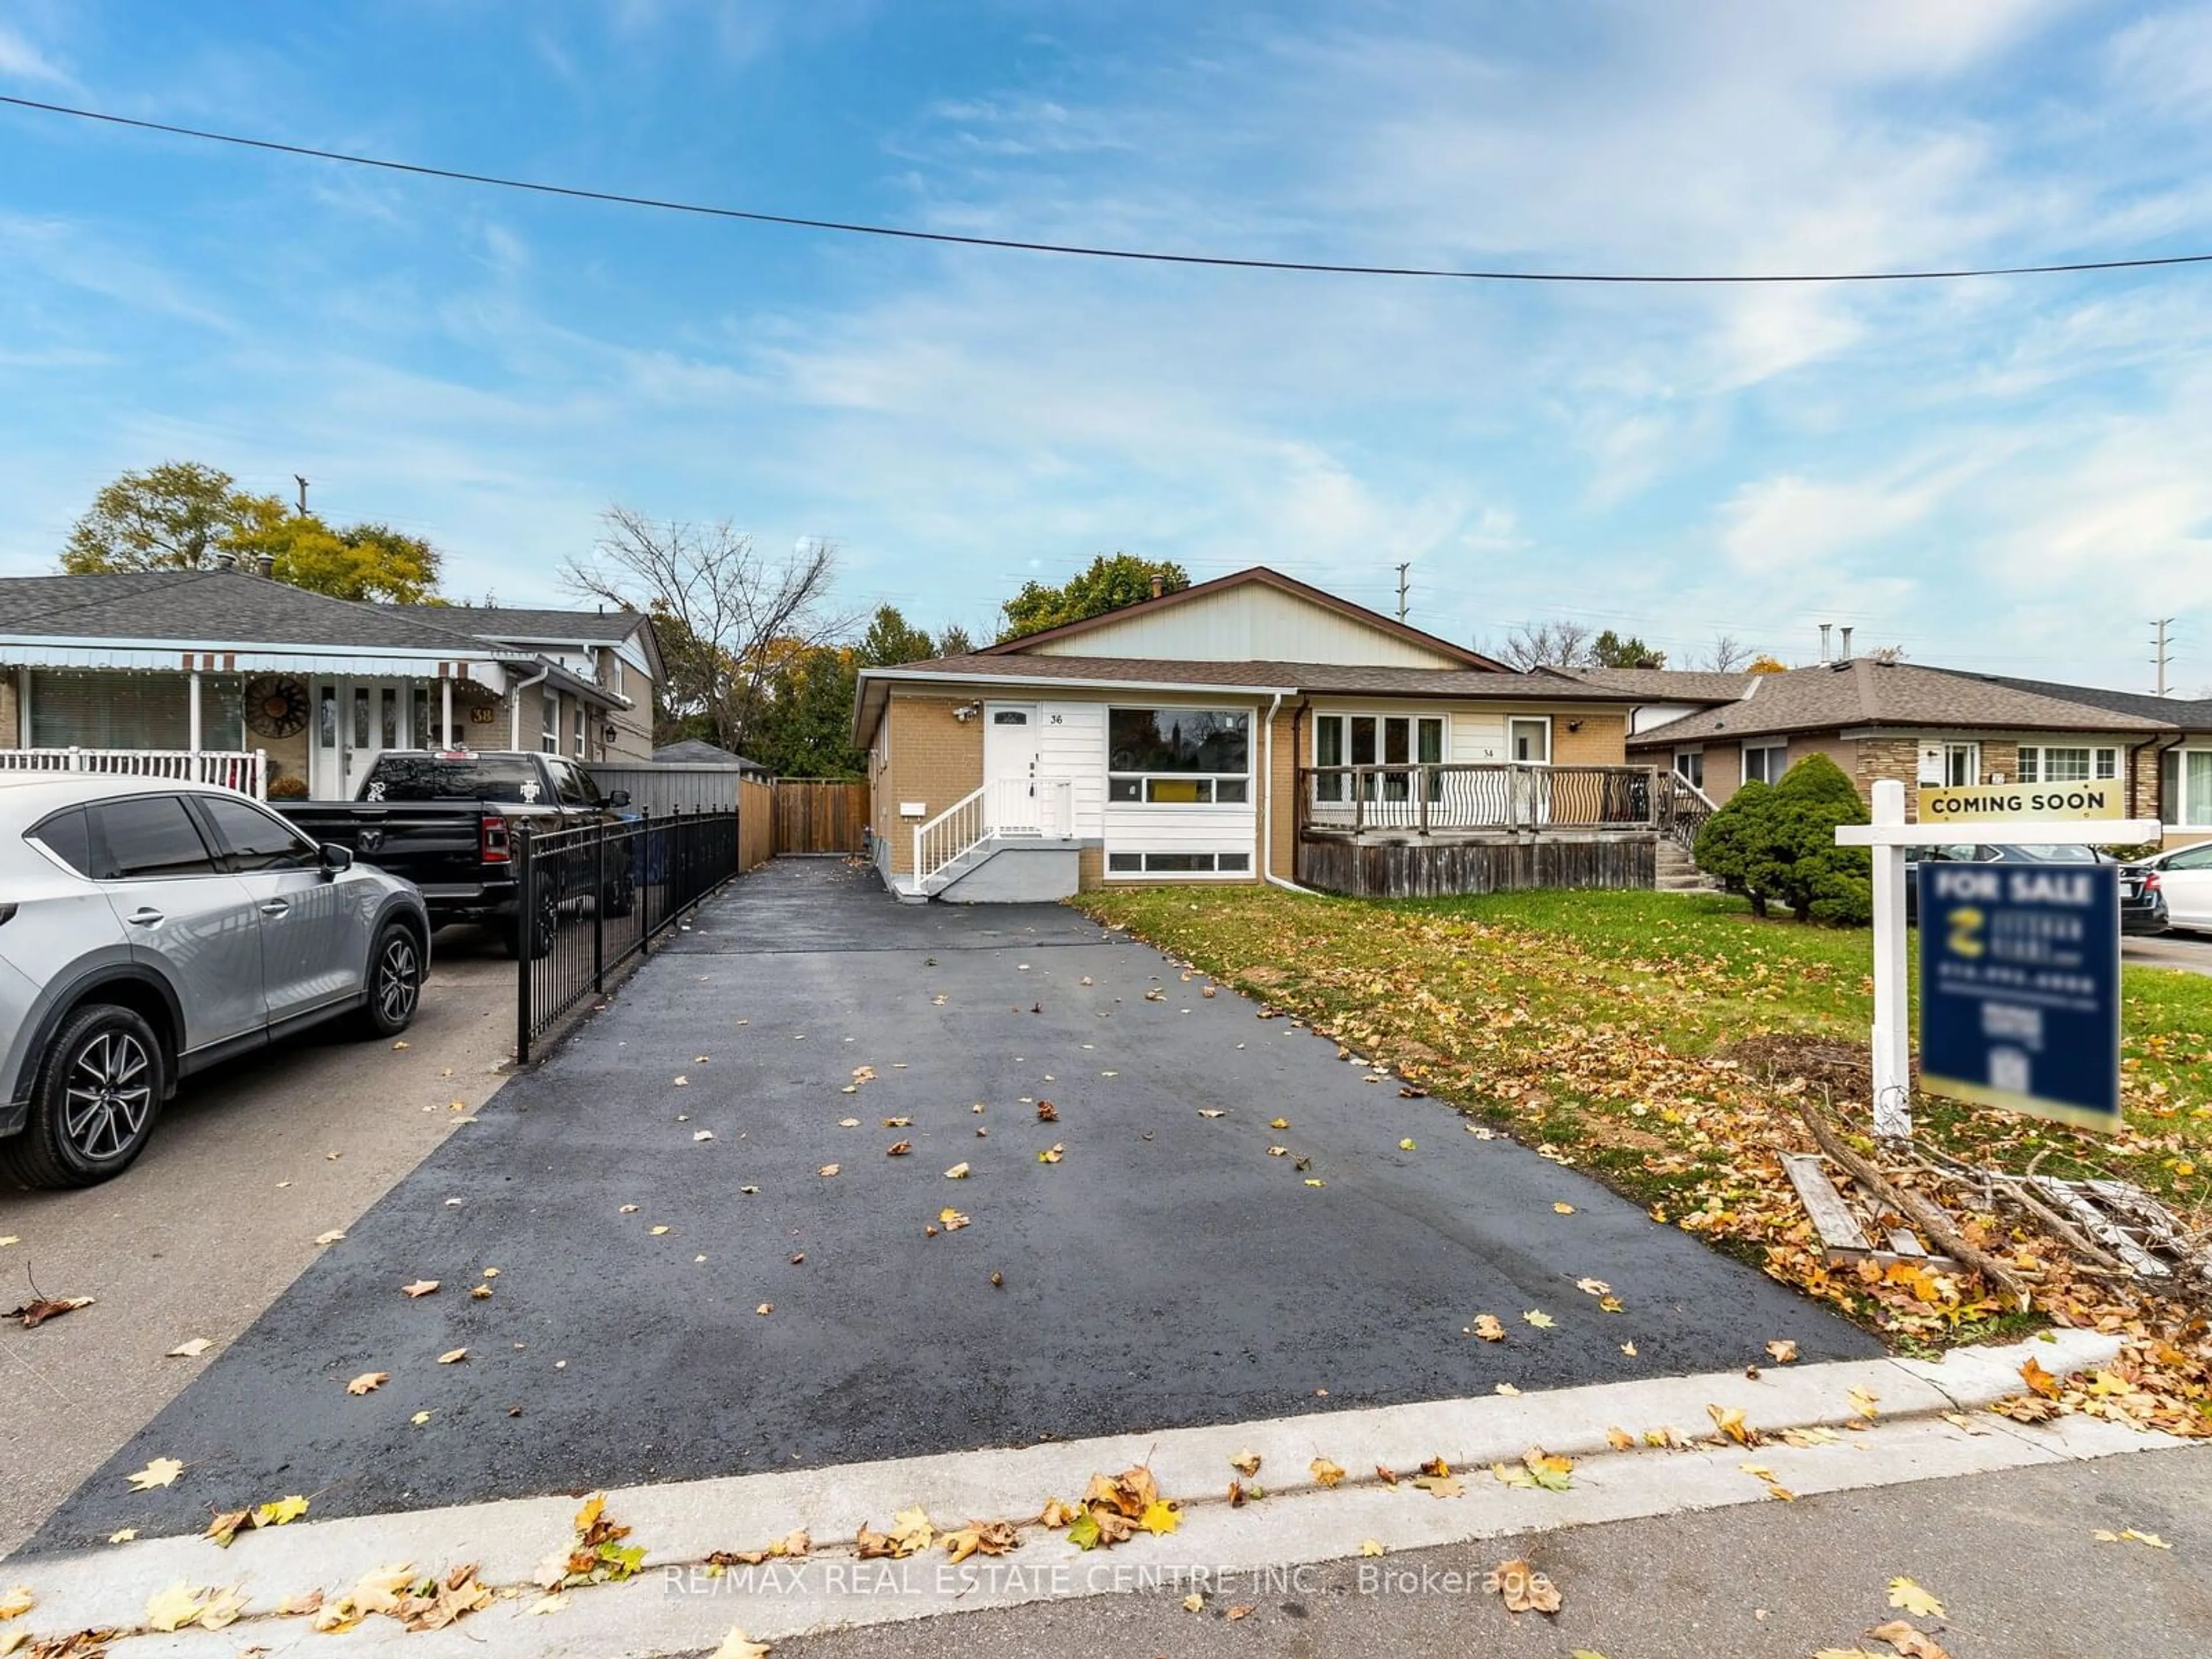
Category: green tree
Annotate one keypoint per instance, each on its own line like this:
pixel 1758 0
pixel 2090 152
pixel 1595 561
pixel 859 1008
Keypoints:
pixel 891 639
pixel 171 517
pixel 954 642
pixel 1111 582
pixel 179 515
pixel 803 728
pixel 1777 845
pixel 1612 650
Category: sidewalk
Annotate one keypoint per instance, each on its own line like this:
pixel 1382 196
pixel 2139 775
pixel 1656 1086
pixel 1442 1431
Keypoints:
pixel 2010 1556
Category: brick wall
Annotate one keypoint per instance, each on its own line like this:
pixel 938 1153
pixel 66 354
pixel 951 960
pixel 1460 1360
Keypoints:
pixel 930 757
pixel 1602 741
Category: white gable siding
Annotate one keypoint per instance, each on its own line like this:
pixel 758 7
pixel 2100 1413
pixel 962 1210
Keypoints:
pixel 1251 624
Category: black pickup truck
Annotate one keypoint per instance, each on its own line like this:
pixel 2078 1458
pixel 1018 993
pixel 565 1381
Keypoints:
pixel 446 821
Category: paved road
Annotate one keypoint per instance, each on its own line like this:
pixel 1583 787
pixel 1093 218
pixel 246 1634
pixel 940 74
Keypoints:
pixel 2009 1556
pixel 205 1230
pixel 2189 952
pixel 1168 1272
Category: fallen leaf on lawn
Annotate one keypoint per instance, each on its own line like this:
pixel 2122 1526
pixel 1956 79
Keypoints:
pixel 1909 1640
pixel 1052 1154
pixel 957 1172
pixel 162 1471
pixel 1523 1589
pixel 191 1348
pixel 827 1170
pixel 420 1287
pixel 738 1645
pixel 1246 1462
pixel 898 1149
pixel 1781 1351
pixel 1490 1327
pixel 368 1382
pixel 1326 1472
pixel 36 1313
pixel 2130 1535
pixel 1905 1594
pixel 1540 1319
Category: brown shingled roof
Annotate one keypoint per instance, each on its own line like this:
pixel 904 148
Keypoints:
pixel 1667 685
pixel 1865 692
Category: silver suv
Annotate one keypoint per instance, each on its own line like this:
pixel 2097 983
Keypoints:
pixel 149 928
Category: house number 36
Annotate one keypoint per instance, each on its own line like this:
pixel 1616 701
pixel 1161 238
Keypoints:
pixel 1052 719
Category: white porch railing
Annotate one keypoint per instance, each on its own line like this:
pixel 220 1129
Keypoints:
pixel 246 770
pixel 1031 808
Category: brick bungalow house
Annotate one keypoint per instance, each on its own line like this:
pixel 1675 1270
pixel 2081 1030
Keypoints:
pixel 1251 728
pixel 1878 719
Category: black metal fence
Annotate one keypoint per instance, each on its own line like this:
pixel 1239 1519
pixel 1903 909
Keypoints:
pixel 595 895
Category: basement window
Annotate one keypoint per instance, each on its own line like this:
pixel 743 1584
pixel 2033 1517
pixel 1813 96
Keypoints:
pixel 1178 863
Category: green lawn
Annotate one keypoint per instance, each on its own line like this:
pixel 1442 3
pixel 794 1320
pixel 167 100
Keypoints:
pixel 1500 997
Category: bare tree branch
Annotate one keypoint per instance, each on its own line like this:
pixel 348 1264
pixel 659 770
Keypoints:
pixel 1546 645
pixel 1728 654
pixel 726 612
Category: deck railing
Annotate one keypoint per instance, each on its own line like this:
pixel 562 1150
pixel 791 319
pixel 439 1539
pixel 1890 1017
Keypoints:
pixel 1683 808
pixel 1504 796
pixel 246 770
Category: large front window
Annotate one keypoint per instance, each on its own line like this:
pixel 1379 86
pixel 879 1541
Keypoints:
pixel 106 708
pixel 2186 780
pixel 1765 763
pixel 2067 764
pixel 1377 740
pixel 1179 756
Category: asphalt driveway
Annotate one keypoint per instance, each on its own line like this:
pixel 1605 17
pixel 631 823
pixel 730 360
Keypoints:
pixel 681 1292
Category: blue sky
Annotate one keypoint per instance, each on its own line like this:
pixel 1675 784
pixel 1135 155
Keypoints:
pixel 2013 475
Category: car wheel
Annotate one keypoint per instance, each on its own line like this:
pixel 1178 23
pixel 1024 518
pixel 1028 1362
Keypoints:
pixel 99 1089
pixel 621 893
pixel 395 981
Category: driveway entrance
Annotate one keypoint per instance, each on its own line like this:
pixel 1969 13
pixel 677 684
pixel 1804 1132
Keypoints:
pixel 684 1290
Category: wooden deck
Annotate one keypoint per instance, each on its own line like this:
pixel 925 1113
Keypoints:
pixel 1381 865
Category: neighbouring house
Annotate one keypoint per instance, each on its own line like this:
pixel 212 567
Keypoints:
pixel 228 676
pixel 1923 725
pixel 697 751
pixel 1249 729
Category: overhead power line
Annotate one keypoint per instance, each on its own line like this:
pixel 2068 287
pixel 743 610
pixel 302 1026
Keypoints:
pixel 1142 256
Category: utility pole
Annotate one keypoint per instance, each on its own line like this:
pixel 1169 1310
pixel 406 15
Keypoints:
pixel 2162 658
pixel 302 482
pixel 1402 569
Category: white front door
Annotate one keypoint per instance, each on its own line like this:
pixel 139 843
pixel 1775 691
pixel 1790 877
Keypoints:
pixel 1009 765
pixel 357 720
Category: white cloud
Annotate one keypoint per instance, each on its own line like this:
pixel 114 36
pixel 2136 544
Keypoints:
pixel 20 60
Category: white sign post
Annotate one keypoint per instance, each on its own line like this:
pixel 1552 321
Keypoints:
pixel 1887 837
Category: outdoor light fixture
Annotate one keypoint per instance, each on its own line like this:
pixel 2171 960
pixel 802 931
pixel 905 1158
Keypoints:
pixel 608 734
pixel 1574 726
pixel 967 712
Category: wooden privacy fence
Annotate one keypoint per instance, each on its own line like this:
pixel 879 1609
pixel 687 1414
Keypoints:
pixel 820 815
pixel 755 823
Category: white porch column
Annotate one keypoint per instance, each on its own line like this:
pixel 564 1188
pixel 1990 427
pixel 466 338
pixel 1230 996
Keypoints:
pixel 446 712
pixel 23 708
pixel 192 717
pixel 1893 1038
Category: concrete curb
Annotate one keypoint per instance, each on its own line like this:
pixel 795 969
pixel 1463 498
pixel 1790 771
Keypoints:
pixel 666 1611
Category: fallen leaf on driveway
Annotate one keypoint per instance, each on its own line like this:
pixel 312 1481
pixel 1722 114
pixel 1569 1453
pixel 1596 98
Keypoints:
pixel 899 1124
pixel 1905 1594
pixel 332 1237
pixel 552 1602
pixel 175 1607
pixel 898 1149
pixel 957 1172
pixel 1907 1639
pixel 681 1083
pixel 1052 1154
pixel 279 1512
pixel 1593 1287
pixel 981 1538
pixel 34 1314
pixel 12 1238
pixel 738 1645
pixel 628 1209
pixel 1194 1602
pixel 765 1308
pixel 1246 1463
pixel 1279 1123
pixel 1370 1547
pixel 124 1536
pixel 1047 1112
pixel 368 1382
pixel 452 1356
pixel 950 1220
pixel 162 1471
pixel 189 1348
pixel 480 1291
pixel 1508 1390
pixel 2039 1379
pixel 1326 1472
pixel 2130 1535
pixel 703 1134
pixel 848 1123
pixel 1490 1327
pixel 1563 1209
pixel 1524 1588
pixel 1405 1145
pixel 1781 1351
pixel 15 1603
pixel 1241 1610
pixel 1629 1348
pixel 657 1232
pixel 400 1045
pixel 420 1287
pixel 1316 1180
pixel 1540 1319
pixel 827 1170
pixel 1729 1420
pixel 1863 1402
pixel 1211 1111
